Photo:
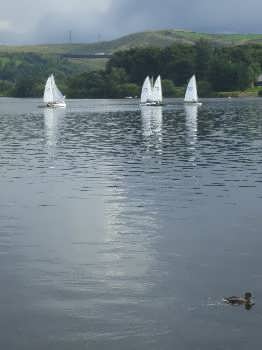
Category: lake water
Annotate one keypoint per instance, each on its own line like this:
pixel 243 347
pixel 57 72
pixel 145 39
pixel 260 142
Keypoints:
pixel 123 228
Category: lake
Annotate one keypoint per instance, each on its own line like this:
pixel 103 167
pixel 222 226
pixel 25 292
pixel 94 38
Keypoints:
pixel 123 228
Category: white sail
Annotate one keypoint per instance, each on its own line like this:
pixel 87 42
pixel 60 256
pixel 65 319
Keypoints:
pixel 52 94
pixel 191 91
pixel 48 94
pixel 152 83
pixel 157 91
pixel 56 92
pixel 146 94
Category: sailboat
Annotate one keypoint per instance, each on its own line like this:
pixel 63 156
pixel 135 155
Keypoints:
pixel 157 91
pixel 146 94
pixel 52 95
pixel 151 94
pixel 191 92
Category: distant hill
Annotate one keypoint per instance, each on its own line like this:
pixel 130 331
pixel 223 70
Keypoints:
pixel 94 56
pixel 161 38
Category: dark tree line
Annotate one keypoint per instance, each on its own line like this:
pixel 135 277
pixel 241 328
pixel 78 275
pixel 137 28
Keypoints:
pixel 218 69
pixel 24 74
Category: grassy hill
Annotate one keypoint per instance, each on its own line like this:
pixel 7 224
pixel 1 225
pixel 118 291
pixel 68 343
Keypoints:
pixel 161 38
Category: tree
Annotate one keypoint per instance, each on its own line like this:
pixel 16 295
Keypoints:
pixel 169 89
pixel 203 56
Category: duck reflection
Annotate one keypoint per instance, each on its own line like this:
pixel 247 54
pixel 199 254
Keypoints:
pixel 53 118
pixel 152 120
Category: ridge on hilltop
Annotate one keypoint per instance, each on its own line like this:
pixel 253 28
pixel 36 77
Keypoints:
pixel 158 38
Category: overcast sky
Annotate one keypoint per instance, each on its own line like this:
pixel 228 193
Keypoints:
pixel 49 21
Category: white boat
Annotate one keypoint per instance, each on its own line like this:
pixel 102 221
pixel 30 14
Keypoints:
pixel 146 94
pixel 151 94
pixel 52 95
pixel 191 92
pixel 157 91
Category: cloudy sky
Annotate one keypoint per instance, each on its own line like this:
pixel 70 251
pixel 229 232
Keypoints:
pixel 49 21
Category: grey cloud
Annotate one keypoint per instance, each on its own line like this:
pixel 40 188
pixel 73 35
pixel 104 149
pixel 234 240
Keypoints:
pixel 50 20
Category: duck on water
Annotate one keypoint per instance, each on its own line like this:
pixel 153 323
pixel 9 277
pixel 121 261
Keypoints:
pixel 247 300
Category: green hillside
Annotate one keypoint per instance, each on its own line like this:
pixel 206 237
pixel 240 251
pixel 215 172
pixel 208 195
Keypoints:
pixel 160 39
pixel 108 69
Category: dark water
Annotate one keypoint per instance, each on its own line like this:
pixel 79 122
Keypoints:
pixel 123 229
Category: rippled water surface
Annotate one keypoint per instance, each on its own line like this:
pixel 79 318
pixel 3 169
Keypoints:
pixel 123 228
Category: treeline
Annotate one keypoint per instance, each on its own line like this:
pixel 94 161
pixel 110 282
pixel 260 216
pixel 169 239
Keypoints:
pixel 218 69
pixel 24 74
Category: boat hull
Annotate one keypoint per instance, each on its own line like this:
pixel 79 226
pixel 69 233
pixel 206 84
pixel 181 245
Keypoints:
pixel 193 103
pixel 56 105
pixel 152 104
